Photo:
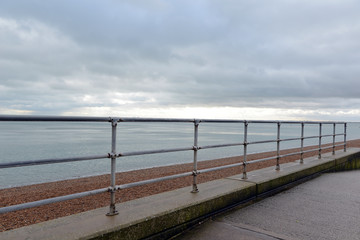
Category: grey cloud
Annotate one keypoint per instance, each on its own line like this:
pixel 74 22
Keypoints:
pixel 296 54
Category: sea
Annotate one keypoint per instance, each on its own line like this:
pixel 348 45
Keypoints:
pixel 23 141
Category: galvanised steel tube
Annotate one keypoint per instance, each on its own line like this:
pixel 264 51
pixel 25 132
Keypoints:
pixel 245 149
pixel 220 121
pixel 51 200
pixel 334 134
pixel 345 137
pixel 50 161
pixel 311 137
pixel 302 143
pixel 196 135
pixel 314 122
pixel 112 210
pixel 259 121
pixel 290 139
pixel 291 122
pixel 260 142
pixel 221 145
pixel 154 120
pixel 278 147
pixel 328 135
pixel 323 148
pixel 127 119
pixel 127 154
pixel 14 118
pixel 320 128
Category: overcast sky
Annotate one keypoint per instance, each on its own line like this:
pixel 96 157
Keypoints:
pixel 200 59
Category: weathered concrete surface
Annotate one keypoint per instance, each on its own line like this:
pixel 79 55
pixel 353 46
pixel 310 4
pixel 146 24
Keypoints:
pixel 141 217
pixel 168 213
pixel 268 179
pixel 324 208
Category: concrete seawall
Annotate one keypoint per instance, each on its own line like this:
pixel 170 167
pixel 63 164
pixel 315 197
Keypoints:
pixel 163 215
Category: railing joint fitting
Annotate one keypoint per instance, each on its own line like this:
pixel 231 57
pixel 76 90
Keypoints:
pixel 114 121
pixel 112 189
pixel 195 173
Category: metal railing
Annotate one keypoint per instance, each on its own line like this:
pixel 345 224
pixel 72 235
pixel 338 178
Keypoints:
pixel 113 155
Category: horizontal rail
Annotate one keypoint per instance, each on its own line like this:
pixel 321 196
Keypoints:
pixel 50 161
pixel 127 119
pixel 311 137
pixel 51 200
pixel 261 142
pixel 174 120
pixel 137 153
pixel 221 145
pixel 289 139
pixel 265 121
pixel 13 118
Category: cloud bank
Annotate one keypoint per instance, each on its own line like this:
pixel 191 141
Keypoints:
pixel 219 59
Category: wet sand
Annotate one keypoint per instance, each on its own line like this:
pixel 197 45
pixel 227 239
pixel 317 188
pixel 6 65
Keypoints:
pixel 36 192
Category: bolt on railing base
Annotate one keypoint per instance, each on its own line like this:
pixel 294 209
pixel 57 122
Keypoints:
pixel 195 189
pixel 112 211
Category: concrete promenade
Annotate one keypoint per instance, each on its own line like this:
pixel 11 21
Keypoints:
pixel 324 208
pixel 164 215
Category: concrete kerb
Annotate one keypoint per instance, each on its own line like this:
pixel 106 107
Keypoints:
pixel 268 179
pixel 165 214
pixel 350 162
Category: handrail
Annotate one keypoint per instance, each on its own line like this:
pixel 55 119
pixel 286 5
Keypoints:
pixel 113 155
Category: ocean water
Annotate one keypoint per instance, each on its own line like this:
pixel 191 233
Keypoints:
pixel 21 141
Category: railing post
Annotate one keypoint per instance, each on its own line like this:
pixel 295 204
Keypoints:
pixel 334 133
pixel 345 126
pixel 320 136
pixel 278 147
pixel 195 148
pixel 245 149
pixel 112 210
pixel 302 143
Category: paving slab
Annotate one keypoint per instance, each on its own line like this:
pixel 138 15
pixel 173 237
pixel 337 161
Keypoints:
pixel 325 208
pixel 215 230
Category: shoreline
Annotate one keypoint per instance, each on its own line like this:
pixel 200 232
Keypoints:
pixel 17 195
